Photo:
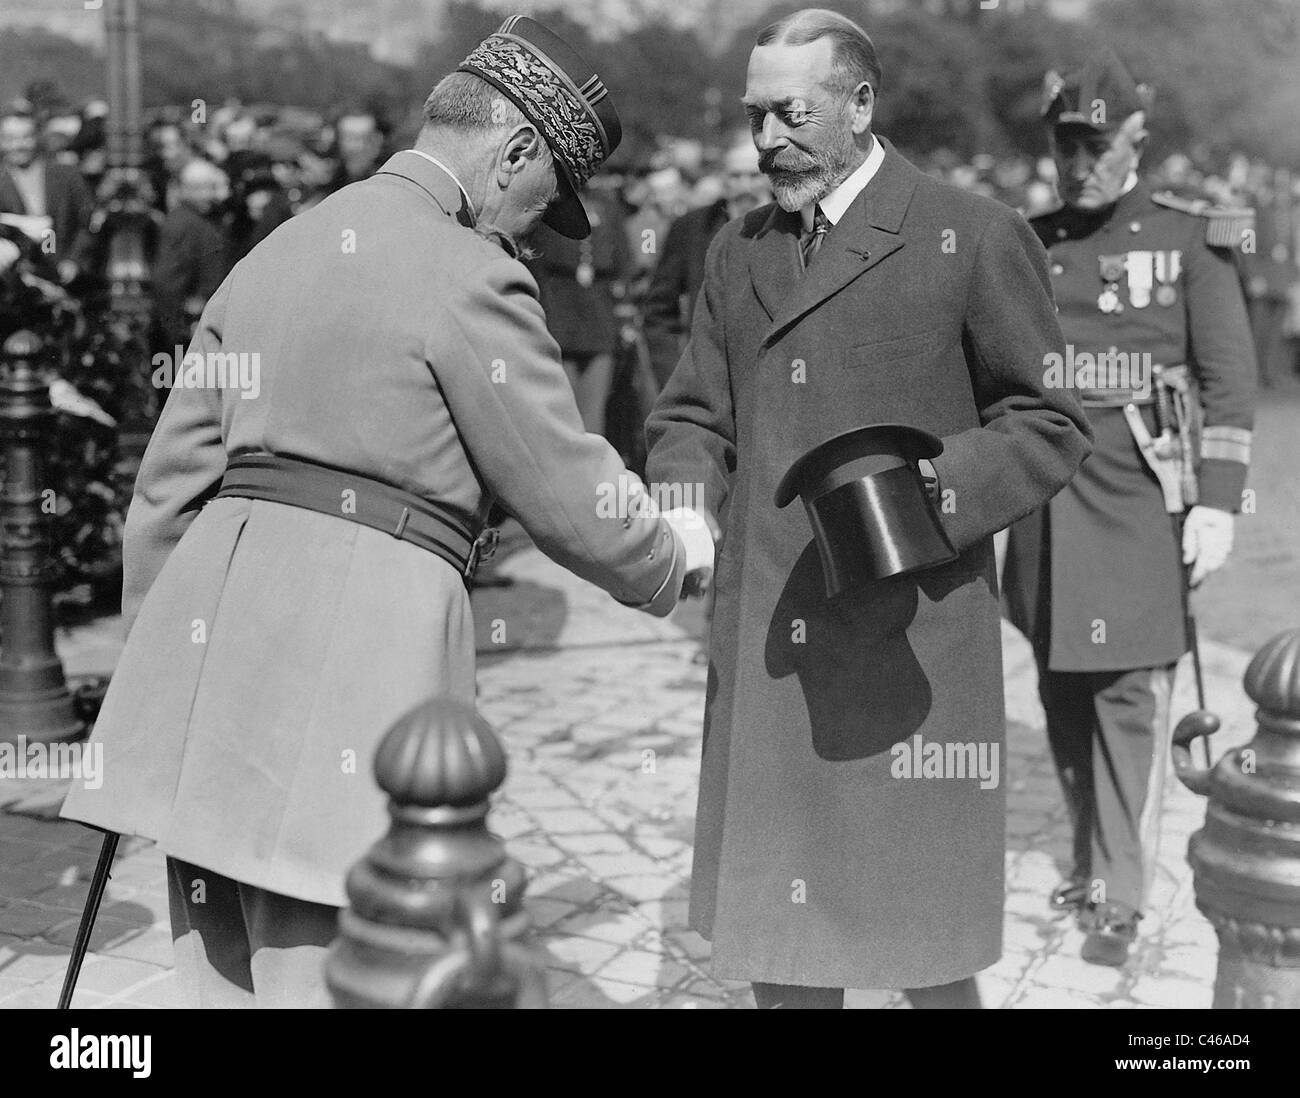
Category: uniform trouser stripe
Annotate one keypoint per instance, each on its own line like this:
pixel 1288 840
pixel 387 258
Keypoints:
pixel 1110 739
pixel 1161 687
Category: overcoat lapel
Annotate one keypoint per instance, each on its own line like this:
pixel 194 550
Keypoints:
pixel 865 235
pixel 774 267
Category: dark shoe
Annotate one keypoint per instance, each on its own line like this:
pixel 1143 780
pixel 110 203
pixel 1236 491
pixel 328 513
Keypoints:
pixel 1070 897
pixel 1111 932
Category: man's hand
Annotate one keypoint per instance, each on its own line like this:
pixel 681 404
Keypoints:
pixel 697 539
pixel 1207 541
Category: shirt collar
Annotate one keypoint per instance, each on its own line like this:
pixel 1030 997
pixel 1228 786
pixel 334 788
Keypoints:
pixel 434 160
pixel 835 204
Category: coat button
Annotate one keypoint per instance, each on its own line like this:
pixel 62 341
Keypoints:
pixel 627 523
pixel 1135 226
pixel 1057 269
pixel 1060 233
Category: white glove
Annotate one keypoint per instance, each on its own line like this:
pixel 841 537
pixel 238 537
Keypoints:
pixel 1207 541
pixel 697 539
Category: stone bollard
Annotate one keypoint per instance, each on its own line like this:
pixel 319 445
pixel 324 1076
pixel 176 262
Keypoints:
pixel 436 908
pixel 1246 859
pixel 35 704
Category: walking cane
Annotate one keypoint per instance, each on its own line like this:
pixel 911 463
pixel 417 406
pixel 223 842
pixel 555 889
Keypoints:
pixel 94 898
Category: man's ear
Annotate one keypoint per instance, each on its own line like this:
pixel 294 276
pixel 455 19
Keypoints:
pixel 523 144
pixel 863 102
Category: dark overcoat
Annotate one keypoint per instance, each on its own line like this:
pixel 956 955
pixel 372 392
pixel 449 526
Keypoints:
pixel 814 863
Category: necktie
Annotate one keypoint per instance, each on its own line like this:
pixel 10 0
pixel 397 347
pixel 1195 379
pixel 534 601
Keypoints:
pixel 813 241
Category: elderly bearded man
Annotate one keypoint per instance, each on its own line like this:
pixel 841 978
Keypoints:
pixel 815 868
pixel 296 562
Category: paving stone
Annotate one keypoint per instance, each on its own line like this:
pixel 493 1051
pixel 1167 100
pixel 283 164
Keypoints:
pixel 578 891
pixel 597 843
pixel 605 926
pixel 24 919
pixel 639 966
pixel 163 990
pixel 31 961
pixel 113 975
pixel 545 910
pixel 1056 998
pixel 584 955
pixel 568 821
pixel 644 887
pixel 1167 991
pixel 1070 971
pixel 153 944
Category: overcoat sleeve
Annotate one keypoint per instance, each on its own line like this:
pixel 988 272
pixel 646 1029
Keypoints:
pixel 1033 438
pixel 181 470
pixel 499 370
pixel 692 429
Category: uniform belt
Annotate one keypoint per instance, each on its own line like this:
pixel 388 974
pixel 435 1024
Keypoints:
pixel 1115 398
pixel 439 528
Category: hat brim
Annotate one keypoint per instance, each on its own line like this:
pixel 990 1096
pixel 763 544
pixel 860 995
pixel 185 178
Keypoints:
pixel 566 215
pixel 908 441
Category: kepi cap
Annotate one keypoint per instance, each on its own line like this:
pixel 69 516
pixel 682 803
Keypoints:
pixel 562 95
pixel 1099 96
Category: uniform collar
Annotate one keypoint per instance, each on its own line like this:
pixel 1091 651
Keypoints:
pixel 836 204
pixel 437 180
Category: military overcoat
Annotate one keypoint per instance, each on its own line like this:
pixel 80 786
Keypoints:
pixel 270 647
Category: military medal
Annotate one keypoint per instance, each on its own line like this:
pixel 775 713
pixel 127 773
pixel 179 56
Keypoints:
pixel 1168 268
pixel 1112 266
pixel 1138 266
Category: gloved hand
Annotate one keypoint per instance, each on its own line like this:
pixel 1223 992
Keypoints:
pixel 697 539
pixel 1207 541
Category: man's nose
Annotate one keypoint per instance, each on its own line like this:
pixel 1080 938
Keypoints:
pixel 772 134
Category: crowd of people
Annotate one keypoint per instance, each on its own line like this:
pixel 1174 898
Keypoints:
pixel 219 186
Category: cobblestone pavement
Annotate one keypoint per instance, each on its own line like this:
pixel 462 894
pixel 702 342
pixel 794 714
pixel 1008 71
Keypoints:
pixel 600 709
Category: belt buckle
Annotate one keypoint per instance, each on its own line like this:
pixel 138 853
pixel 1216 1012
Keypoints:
pixel 484 548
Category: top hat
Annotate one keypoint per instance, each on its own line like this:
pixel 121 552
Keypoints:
pixel 560 94
pixel 1099 96
pixel 867 503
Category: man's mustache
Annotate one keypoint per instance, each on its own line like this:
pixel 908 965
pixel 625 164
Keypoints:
pixel 770 163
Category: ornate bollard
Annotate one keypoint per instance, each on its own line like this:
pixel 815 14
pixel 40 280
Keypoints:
pixel 1246 859
pixel 436 907
pixel 34 700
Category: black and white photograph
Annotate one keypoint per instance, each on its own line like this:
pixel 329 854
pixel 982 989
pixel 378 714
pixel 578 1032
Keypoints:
pixel 651 504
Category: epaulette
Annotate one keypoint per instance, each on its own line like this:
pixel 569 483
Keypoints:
pixel 1225 226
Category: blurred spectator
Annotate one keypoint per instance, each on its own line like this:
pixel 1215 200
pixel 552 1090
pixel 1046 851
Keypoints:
pixel 172 150
pixel 193 251
pixel 50 201
pixel 578 281
pixel 679 274
pixel 358 145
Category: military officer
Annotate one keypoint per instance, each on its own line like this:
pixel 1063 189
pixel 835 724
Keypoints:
pixel 296 562
pixel 1159 344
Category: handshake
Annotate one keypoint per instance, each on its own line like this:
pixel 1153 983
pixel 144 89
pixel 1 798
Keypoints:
pixel 697 535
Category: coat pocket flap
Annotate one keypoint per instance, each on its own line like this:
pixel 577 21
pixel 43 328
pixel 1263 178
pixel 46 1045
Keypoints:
pixel 891 349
